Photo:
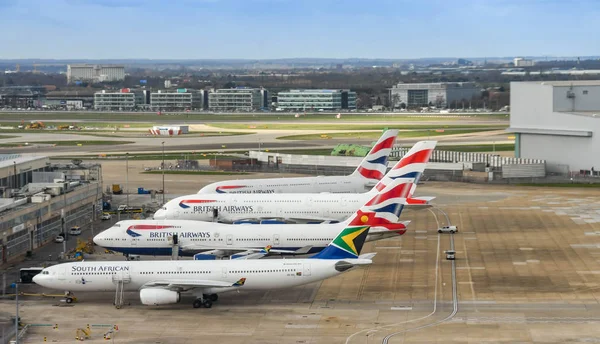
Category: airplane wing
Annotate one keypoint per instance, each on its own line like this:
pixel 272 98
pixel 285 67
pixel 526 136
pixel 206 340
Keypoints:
pixel 240 252
pixel 184 285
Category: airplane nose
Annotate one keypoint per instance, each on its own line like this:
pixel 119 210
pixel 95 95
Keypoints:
pixel 36 279
pixel 159 215
pixel 98 239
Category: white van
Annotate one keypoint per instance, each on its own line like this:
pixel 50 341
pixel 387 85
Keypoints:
pixel 75 230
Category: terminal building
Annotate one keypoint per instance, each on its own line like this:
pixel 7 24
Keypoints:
pixel 122 100
pixel 441 94
pixel 94 73
pixel 182 99
pixel 21 96
pixel 40 200
pixel 558 121
pixel 70 100
pixel 316 100
pixel 238 99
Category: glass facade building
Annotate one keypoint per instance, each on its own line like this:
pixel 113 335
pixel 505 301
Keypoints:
pixel 316 100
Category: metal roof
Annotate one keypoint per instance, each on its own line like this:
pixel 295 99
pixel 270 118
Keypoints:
pixel 7 160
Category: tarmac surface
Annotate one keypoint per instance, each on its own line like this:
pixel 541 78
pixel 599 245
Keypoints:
pixel 527 271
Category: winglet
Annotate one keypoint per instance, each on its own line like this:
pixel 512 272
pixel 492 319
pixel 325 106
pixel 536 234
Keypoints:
pixel 240 282
pixel 374 165
pixel 267 249
pixel 347 244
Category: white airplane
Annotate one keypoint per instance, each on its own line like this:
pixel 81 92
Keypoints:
pixel 368 173
pixel 162 282
pixel 207 240
pixel 291 208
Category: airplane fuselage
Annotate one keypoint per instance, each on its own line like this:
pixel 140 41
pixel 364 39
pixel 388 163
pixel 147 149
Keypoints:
pixel 153 237
pixel 334 184
pixel 230 208
pixel 259 274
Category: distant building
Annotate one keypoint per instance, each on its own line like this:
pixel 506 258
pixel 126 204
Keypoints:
pixel 182 99
pixel 558 121
pixel 316 100
pixel 122 100
pixel 22 96
pixel 440 95
pixel 237 99
pixel 94 73
pixel 521 62
pixel 79 99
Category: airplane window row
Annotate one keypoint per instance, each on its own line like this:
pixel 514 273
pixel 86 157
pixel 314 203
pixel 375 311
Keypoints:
pixel 94 273
pixel 313 239
pixel 181 272
pixel 259 271
pixel 251 239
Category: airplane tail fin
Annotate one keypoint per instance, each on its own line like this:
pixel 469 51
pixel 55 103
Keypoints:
pixel 347 244
pixel 409 168
pixel 374 165
pixel 382 211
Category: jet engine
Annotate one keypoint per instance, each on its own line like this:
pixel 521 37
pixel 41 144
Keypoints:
pixel 158 296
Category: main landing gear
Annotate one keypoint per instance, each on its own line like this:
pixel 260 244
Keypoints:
pixel 205 301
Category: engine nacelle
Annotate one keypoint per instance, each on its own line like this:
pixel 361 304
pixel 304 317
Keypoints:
pixel 158 296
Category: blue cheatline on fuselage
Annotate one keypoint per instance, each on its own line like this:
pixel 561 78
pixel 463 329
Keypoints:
pixel 166 251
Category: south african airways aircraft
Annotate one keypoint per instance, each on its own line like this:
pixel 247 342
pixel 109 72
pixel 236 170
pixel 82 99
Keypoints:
pixel 291 208
pixel 162 282
pixel 368 173
pixel 211 240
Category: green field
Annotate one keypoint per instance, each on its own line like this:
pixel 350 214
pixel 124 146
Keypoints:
pixel 203 173
pixel 103 117
pixel 67 143
pixel 375 135
pixel 347 126
pixel 152 156
pixel 2 137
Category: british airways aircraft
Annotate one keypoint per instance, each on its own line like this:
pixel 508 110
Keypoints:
pixel 163 282
pixel 292 208
pixel 368 173
pixel 218 239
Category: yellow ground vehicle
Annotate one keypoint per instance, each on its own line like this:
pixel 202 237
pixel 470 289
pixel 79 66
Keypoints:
pixel 116 189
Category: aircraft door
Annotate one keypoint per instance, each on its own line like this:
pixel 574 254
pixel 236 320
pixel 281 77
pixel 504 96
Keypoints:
pixel 306 271
pixel 224 272
pixel 134 241
pixel 344 202
pixel 176 214
pixel 229 239
pixel 62 272
pixel 279 213
pixel 276 239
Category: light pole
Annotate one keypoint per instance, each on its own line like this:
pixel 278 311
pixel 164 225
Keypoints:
pixel 127 177
pixel 163 172
pixel 17 315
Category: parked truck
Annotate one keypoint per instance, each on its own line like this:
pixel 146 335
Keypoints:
pixel 116 189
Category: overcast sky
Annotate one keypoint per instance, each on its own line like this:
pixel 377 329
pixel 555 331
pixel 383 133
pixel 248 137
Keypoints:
pixel 200 29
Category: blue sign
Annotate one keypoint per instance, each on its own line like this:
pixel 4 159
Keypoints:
pixel 78 83
pixel 143 82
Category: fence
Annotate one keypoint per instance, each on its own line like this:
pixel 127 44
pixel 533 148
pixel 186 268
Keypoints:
pixel 491 160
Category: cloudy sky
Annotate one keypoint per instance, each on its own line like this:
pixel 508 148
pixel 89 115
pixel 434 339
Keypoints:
pixel 200 29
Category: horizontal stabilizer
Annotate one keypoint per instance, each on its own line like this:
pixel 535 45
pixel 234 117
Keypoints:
pixel 367 255
pixel 419 200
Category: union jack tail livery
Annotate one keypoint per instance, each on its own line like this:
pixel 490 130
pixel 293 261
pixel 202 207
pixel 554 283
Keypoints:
pixel 410 167
pixel 374 165
pixel 390 195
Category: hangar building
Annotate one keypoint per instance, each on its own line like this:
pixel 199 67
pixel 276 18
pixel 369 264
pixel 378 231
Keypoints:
pixel 558 121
